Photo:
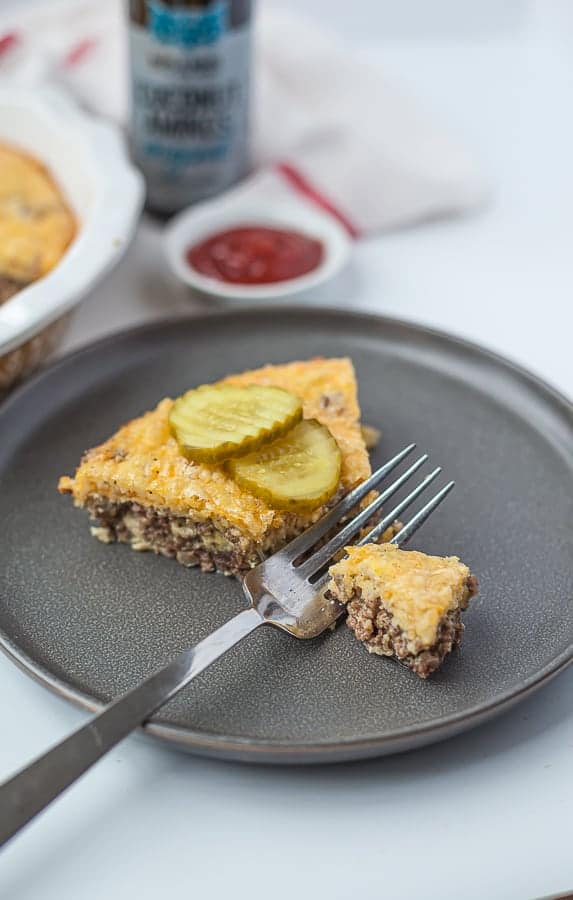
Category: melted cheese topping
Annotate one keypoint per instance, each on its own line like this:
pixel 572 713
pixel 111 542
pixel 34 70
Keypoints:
pixel 36 225
pixel 415 588
pixel 143 463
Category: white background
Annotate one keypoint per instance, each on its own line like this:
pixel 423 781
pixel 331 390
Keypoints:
pixel 487 815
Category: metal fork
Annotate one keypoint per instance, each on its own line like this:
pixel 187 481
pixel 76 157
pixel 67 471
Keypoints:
pixel 285 591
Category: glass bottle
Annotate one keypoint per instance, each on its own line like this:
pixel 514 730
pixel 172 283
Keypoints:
pixel 190 77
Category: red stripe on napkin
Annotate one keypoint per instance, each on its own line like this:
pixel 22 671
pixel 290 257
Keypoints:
pixel 298 181
pixel 8 42
pixel 78 52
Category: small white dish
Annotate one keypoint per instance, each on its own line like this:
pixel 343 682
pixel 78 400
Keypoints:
pixel 239 208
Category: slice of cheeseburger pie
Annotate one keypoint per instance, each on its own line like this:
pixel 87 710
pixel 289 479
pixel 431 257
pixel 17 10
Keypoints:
pixel 228 473
pixel 402 603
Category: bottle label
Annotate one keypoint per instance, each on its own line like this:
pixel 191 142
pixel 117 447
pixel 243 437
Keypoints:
pixel 190 81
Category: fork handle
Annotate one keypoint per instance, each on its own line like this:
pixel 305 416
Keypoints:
pixel 29 791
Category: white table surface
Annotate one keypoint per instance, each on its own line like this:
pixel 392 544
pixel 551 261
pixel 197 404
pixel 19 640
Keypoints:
pixel 488 814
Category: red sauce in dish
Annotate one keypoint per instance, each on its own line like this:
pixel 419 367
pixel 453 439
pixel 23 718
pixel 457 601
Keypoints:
pixel 255 255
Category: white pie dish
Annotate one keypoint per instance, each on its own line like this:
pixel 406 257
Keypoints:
pixel 88 160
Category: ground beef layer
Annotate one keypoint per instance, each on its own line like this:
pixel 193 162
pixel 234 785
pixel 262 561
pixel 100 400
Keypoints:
pixel 209 544
pixel 212 544
pixel 9 287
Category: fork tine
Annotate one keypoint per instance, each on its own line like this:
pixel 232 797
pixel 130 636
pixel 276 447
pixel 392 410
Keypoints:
pixel 412 526
pixel 391 517
pixel 309 538
pixel 343 537
pixel 409 528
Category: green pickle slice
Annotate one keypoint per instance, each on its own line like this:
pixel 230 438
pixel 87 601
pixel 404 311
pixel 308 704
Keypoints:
pixel 219 421
pixel 299 472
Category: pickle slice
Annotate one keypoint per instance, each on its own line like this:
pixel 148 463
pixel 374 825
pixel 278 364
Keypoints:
pixel 299 472
pixel 217 421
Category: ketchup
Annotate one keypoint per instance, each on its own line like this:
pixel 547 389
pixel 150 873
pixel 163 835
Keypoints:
pixel 255 255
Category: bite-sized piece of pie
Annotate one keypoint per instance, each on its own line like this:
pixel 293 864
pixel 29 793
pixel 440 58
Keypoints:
pixel 402 603
pixel 36 224
pixel 140 488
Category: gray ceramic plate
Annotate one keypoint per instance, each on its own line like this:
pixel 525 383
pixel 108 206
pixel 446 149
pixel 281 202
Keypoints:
pixel 90 620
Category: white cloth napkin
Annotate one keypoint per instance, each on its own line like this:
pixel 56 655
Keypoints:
pixel 327 125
